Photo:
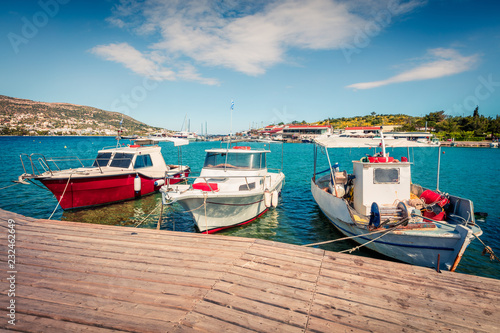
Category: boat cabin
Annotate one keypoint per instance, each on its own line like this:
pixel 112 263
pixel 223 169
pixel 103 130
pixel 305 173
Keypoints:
pixel 236 158
pixel 131 157
pixel 381 182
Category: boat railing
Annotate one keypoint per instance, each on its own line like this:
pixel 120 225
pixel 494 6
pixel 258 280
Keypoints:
pixel 37 162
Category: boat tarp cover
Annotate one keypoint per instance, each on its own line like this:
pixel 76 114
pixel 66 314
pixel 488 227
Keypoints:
pixel 346 142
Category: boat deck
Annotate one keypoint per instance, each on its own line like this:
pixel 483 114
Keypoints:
pixel 77 277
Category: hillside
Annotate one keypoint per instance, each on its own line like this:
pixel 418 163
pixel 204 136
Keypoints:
pixel 23 117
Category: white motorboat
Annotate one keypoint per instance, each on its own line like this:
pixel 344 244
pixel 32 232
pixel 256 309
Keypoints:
pixel 382 209
pixel 234 188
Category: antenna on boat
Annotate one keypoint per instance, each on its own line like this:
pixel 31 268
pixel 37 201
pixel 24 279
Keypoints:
pixel 118 137
pixel 231 125
pixel 383 141
pixel 439 167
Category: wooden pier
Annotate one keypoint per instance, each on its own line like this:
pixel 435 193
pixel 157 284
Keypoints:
pixel 76 277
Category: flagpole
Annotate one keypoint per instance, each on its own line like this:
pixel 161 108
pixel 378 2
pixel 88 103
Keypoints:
pixel 231 128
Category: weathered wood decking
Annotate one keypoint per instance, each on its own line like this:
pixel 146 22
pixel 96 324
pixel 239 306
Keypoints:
pixel 76 277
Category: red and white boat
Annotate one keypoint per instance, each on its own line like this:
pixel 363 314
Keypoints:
pixel 117 174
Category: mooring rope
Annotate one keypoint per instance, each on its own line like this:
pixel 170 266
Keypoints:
pixel 364 244
pixel 385 232
pixel 3 188
pixel 60 199
pixel 154 209
pixel 344 238
pixel 487 250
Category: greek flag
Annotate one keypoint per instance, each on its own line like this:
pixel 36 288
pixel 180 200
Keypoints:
pixel 121 121
pixel 232 105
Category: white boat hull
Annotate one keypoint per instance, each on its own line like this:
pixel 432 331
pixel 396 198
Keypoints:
pixel 421 247
pixel 215 211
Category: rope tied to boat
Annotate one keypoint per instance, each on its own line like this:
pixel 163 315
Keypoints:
pixel 488 251
pixel 352 237
pixel 154 209
pixel 395 227
pixel 3 188
pixel 60 199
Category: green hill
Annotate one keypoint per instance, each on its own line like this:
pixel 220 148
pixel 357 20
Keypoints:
pixel 23 117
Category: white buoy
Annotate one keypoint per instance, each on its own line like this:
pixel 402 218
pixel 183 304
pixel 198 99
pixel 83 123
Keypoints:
pixel 159 182
pixel 267 198
pixel 137 183
pixel 340 190
pixel 274 199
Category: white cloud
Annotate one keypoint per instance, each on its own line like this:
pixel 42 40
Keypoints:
pixel 244 36
pixel 440 62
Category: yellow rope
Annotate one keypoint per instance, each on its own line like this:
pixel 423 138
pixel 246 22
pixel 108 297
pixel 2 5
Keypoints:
pixel 158 205
pixel 487 250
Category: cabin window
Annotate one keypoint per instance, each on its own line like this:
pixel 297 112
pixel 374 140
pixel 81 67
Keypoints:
pixel 246 187
pixel 121 160
pixel 235 160
pixel 143 161
pixel 386 176
pixel 102 159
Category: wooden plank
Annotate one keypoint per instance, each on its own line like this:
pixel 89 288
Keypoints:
pixel 245 319
pixel 129 241
pixel 317 325
pixel 139 296
pixel 168 288
pixel 159 255
pixel 387 302
pixel 140 270
pixel 170 275
pixel 360 312
pixel 299 295
pixel 256 306
pixel 454 293
pixel 197 322
pixel 410 273
pixel 29 323
pixel 89 317
pixel 272 298
pixel 102 305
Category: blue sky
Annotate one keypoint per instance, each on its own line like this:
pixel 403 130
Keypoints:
pixel 161 61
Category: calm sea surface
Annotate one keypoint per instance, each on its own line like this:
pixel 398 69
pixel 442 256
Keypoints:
pixel 472 173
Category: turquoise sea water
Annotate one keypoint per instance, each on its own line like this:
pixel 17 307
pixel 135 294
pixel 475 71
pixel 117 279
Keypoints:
pixel 468 172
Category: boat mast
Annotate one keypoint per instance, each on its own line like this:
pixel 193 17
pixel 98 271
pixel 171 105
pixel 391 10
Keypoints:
pixel 383 141
pixel 439 167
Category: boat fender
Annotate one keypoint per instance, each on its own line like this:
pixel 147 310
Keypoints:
pixel 274 198
pixel 137 184
pixel 160 182
pixel 267 198
pixel 374 215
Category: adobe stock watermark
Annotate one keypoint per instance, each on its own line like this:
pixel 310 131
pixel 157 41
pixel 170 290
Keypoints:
pixel 484 90
pixel 30 28
pixel 282 116
pixel 372 28
pixel 137 94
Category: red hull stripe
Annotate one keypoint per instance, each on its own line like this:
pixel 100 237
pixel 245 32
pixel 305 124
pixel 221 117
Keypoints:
pixel 211 231
pixel 100 190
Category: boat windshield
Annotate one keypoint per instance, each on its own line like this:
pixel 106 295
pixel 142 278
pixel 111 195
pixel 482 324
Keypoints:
pixel 121 160
pixel 102 159
pixel 252 161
